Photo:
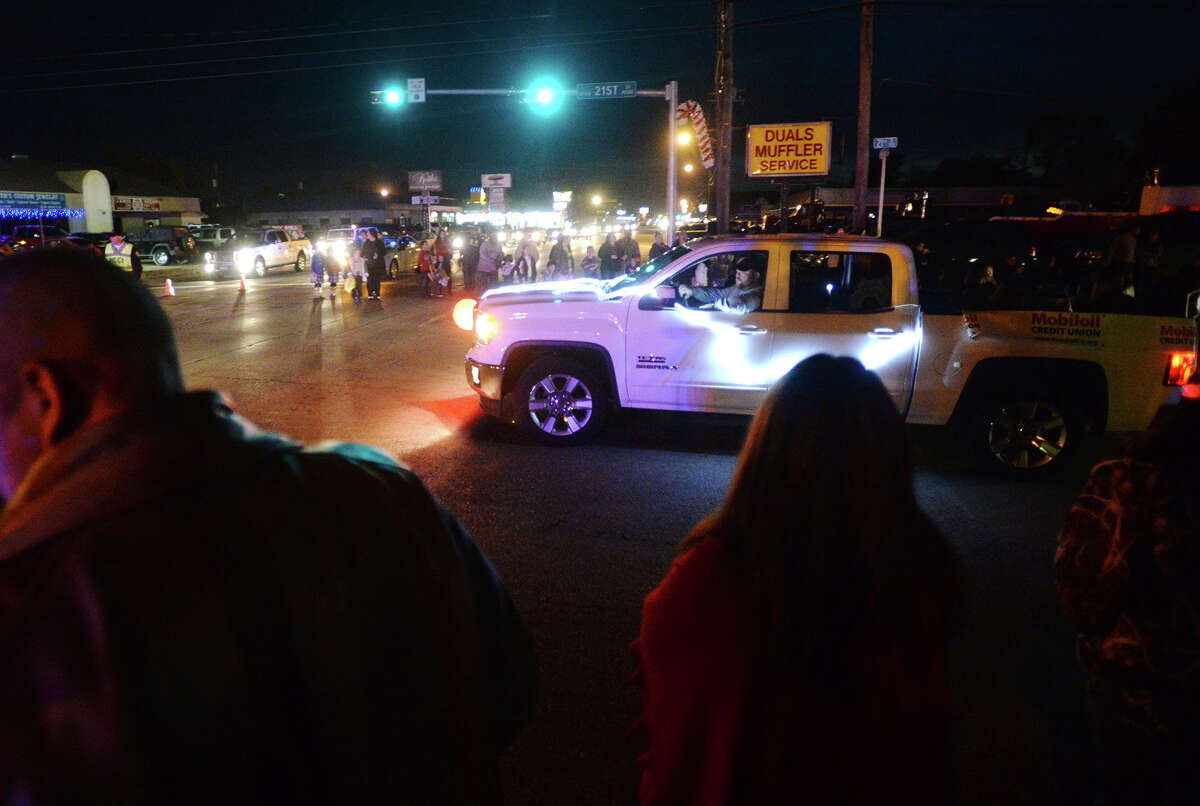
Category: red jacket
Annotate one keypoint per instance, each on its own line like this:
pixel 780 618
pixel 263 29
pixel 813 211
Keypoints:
pixel 723 727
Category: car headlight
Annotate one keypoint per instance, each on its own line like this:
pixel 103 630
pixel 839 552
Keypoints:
pixel 339 250
pixel 208 257
pixel 457 243
pixel 244 255
pixel 485 326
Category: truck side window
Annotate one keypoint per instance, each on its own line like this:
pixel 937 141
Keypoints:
pixel 839 282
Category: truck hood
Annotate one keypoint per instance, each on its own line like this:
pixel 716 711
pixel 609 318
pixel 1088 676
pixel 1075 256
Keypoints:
pixel 582 290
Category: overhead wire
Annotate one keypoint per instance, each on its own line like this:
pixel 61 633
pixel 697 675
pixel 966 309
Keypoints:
pixel 308 68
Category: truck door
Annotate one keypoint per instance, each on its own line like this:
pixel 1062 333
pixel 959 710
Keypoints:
pixel 693 352
pixel 840 302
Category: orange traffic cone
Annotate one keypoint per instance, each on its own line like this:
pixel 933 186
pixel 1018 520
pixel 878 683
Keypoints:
pixel 170 288
pixel 242 285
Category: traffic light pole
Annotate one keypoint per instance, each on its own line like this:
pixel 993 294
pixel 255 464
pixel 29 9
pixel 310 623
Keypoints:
pixel 670 93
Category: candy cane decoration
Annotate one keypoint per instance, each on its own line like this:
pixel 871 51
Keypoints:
pixel 692 110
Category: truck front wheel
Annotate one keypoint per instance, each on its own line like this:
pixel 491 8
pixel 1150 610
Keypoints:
pixel 161 255
pixel 560 401
pixel 301 262
pixel 1023 435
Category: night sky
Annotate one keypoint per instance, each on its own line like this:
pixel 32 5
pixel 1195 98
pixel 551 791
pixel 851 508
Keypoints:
pixel 951 80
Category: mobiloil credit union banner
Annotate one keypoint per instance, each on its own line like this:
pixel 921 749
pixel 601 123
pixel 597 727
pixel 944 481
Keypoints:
pixel 787 149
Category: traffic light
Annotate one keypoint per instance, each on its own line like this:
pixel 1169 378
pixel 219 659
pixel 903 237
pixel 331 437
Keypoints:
pixel 544 97
pixel 392 97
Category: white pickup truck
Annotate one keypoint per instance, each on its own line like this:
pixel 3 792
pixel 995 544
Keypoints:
pixel 1026 385
pixel 259 251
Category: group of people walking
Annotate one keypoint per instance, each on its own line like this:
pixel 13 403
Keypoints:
pixel 332 633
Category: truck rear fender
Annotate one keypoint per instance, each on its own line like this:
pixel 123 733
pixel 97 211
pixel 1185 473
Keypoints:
pixel 521 354
pixel 1079 385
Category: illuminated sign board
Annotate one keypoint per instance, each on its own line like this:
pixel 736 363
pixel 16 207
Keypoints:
pixel 787 149
pixel 135 204
pixel 425 180
pixel 32 201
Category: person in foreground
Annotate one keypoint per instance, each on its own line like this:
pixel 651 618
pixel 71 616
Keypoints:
pixel 1128 573
pixel 797 649
pixel 194 611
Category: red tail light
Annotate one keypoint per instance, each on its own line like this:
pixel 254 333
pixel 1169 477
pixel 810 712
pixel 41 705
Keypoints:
pixel 1180 367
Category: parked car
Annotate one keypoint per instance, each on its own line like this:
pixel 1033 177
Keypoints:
pixel 259 251
pixel 26 236
pixel 211 236
pixel 162 244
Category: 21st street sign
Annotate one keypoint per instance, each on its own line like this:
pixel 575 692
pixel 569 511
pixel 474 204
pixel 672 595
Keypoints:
pixel 610 89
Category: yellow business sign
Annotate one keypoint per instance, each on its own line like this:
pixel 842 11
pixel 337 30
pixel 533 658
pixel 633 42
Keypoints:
pixel 787 149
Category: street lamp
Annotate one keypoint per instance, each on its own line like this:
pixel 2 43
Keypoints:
pixel 383 192
pixel 687 169
pixel 684 138
pixel 596 200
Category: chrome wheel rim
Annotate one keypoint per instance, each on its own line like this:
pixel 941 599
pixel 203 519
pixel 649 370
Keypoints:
pixel 1028 434
pixel 560 404
pixel 260 268
pixel 300 262
pixel 161 257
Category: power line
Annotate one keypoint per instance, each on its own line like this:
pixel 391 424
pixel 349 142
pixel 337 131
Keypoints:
pixel 331 51
pixel 260 40
pixel 309 68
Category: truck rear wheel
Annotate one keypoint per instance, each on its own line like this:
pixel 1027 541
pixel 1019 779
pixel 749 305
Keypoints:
pixel 560 401
pixel 301 262
pixel 1023 435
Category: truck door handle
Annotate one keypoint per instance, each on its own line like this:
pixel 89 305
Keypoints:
pixel 751 330
pixel 884 333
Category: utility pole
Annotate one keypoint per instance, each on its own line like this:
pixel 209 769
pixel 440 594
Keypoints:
pixel 866 50
pixel 724 95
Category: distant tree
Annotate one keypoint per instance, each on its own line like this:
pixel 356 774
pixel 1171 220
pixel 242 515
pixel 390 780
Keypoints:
pixel 1082 154
pixel 1165 139
pixel 975 171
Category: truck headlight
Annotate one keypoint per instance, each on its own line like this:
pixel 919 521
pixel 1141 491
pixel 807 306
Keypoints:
pixel 485 326
pixel 339 250
pixel 322 246
pixel 208 257
pixel 244 256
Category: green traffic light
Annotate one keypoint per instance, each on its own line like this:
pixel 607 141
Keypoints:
pixel 544 96
pixel 392 96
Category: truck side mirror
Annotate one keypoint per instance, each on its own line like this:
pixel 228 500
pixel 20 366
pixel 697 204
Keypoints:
pixel 662 297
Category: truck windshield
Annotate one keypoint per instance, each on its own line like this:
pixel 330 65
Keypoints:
pixel 646 270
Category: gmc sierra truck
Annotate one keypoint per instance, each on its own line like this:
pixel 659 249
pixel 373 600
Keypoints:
pixel 1025 385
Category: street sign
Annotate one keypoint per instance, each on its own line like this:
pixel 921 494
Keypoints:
pixel 885 142
pixel 426 199
pixel 496 180
pixel 787 149
pixel 496 202
pixel 424 180
pixel 608 89
pixel 416 90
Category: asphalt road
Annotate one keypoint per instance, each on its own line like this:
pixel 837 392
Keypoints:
pixel 581 535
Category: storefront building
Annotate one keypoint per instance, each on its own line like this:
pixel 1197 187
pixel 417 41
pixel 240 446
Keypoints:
pixel 86 200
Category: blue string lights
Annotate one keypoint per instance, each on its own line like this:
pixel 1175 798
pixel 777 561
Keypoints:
pixel 28 213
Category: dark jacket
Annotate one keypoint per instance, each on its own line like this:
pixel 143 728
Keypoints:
pixel 372 252
pixel 197 612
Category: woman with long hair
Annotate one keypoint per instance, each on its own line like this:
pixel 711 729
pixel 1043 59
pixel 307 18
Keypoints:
pixel 797 649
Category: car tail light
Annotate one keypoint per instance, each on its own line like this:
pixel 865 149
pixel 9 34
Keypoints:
pixel 1180 367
